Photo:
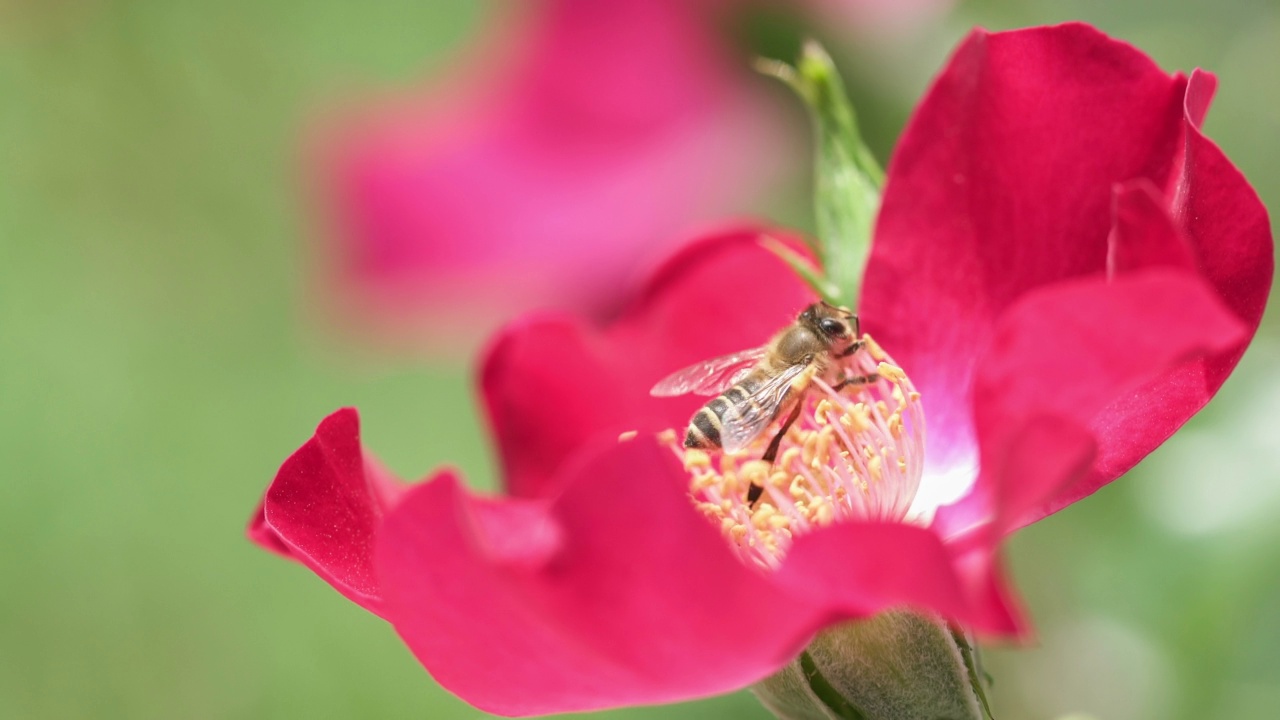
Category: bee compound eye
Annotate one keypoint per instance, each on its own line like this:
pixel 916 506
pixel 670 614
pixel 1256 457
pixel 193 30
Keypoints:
pixel 834 328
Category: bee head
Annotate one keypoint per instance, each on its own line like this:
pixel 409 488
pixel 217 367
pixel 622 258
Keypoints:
pixel 834 324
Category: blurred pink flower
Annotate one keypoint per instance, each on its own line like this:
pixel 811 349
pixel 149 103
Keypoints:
pixel 586 139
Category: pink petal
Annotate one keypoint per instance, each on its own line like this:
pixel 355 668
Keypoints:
pixel 1061 362
pixel 606 130
pixel 856 569
pixel 1001 183
pixel 325 506
pixel 1222 225
pixel 1004 182
pixel 638 600
pixel 551 383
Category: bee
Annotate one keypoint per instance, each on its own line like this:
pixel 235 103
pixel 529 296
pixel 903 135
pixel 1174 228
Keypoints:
pixel 754 387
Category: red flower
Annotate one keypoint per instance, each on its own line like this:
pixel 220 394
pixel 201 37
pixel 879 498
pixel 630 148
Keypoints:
pixel 1065 266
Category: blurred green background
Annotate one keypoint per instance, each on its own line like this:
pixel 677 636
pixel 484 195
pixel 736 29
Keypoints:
pixel 157 363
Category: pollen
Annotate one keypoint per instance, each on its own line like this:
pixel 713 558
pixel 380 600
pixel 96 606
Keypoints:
pixel 855 452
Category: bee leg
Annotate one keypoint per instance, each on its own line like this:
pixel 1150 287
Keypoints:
pixel 856 380
pixel 854 347
pixel 771 453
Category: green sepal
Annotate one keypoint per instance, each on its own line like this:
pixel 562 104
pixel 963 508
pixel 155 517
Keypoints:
pixel 973 664
pixel 806 270
pixel 848 178
pixel 897 665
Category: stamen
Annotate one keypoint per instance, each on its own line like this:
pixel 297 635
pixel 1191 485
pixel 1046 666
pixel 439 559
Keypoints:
pixel 854 453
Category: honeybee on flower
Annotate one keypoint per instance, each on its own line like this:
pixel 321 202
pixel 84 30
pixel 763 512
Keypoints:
pixel 755 386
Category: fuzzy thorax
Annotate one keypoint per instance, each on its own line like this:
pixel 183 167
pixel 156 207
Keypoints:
pixel 855 453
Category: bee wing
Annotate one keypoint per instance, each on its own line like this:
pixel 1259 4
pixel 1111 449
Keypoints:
pixel 709 377
pixel 743 422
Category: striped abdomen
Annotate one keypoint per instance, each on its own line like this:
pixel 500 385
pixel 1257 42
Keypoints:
pixel 704 428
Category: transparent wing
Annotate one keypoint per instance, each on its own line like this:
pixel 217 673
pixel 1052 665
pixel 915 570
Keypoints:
pixel 709 377
pixel 743 422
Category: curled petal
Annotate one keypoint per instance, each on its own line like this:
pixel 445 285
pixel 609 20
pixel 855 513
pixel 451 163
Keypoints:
pixel 325 506
pixel 1144 234
pixel 1226 224
pixel 1068 364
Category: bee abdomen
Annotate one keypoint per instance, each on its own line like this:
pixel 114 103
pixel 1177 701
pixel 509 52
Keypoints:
pixel 704 428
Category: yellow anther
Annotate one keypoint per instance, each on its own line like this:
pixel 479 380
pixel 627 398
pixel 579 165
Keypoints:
pixel 737 532
pixel 755 471
pixel 709 507
pixel 779 479
pixel 824 513
pixel 628 435
pixel 798 489
pixel 874 466
pixel 810 449
pixel 858 418
pixel 728 463
pixel 873 348
pixel 889 372
pixel 823 412
pixel 895 425
pixel 789 456
pixel 826 436
pixel 667 437
pixel 695 458
pixel 760 518
pixel 779 522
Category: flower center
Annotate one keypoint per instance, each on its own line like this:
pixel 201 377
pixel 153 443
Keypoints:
pixel 855 452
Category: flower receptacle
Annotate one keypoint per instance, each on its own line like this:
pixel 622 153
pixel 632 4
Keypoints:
pixel 897 665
